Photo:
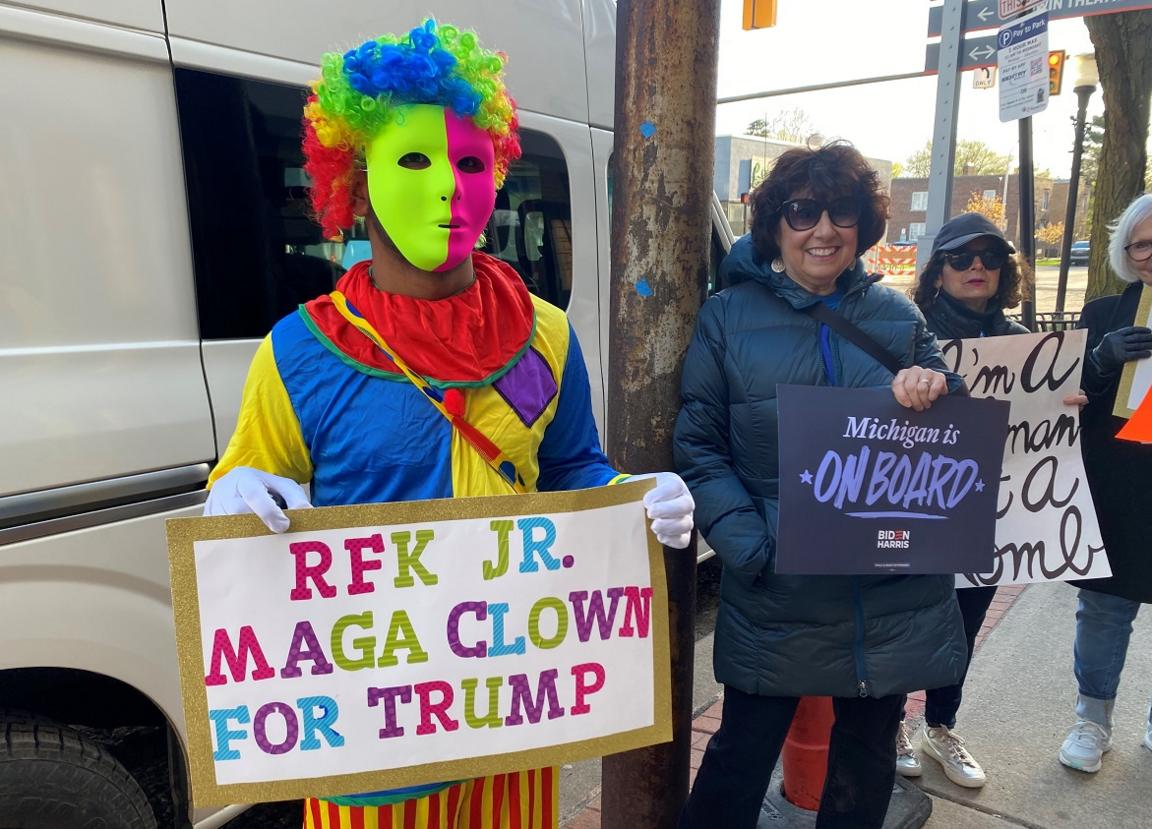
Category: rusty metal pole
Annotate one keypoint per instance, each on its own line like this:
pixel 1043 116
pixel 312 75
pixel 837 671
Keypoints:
pixel 662 187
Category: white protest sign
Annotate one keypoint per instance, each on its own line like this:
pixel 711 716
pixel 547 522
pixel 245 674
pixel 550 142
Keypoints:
pixel 390 645
pixel 1046 528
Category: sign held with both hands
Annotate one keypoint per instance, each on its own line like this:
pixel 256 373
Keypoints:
pixel 381 646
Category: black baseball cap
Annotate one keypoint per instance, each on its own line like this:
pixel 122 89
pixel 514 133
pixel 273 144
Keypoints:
pixel 963 229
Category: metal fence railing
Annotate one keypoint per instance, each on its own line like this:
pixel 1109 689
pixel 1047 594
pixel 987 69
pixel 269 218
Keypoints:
pixel 1053 320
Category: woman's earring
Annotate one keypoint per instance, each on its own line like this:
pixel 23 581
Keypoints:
pixel 936 295
pixel 777 265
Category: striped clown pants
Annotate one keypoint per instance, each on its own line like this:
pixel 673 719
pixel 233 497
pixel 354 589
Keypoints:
pixel 517 800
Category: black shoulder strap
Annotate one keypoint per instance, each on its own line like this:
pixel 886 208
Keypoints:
pixel 835 321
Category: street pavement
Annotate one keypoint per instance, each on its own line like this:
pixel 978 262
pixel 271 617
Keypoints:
pixel 1018 706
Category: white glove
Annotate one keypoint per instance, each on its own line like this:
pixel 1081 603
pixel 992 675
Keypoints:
pixel 669 505
pixel 243 490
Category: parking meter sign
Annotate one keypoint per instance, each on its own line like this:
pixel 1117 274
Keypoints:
pixel 1022 61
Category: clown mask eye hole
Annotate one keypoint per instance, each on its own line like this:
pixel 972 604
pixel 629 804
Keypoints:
pixel 470 164
pixel 414 161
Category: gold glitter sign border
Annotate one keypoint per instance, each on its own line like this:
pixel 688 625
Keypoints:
pixel 183 533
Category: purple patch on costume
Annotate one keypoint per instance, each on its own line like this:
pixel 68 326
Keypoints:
pixel 528 387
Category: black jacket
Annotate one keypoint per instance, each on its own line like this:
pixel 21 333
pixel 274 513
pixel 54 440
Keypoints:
pixel 1119 471
pixel 782 635
pixel 950 320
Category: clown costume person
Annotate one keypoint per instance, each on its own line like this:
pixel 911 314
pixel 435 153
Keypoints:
pixel 431 371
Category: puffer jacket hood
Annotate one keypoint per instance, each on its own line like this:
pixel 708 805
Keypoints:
pixel 782 635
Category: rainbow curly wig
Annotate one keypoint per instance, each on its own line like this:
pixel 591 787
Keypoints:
pixel 358 93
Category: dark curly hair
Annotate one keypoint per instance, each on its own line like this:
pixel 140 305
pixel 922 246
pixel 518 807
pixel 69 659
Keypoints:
pixel 833 171
pixel 1009 294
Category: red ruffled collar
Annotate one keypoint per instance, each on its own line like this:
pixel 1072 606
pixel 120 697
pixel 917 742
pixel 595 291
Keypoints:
pixel 468 339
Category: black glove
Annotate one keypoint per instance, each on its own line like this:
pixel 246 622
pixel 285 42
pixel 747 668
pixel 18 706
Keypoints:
pixel 1133 342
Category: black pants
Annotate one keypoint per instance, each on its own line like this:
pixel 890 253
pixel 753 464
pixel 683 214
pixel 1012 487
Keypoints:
pixel 941 704
pixel 738 762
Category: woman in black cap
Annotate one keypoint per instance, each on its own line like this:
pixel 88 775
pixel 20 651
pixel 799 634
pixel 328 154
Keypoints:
pixel 971 278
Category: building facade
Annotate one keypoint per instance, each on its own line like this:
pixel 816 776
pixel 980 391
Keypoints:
pixel 743 160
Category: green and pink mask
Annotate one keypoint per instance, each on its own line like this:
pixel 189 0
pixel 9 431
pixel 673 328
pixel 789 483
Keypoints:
pixel 431 181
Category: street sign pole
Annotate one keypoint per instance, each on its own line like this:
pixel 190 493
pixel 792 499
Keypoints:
pixel 944 135
pixel 1020 47
pixel 665 113
pixel 1027 223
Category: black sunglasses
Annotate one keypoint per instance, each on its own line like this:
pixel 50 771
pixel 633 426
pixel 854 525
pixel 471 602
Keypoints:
pixel 962 261
pixel 804 214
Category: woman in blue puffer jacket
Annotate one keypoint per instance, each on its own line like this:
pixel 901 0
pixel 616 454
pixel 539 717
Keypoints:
pixel 863 640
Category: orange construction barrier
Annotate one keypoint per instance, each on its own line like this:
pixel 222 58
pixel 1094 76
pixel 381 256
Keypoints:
pixel 894 260
pixel 805 754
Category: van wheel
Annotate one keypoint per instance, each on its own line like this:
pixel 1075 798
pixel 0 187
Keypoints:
pixel 51 777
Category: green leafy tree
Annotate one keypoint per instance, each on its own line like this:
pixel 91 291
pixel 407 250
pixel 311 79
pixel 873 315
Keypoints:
pixel 973 158
pixel 1125 63
pixel 792 125
pixel 759 128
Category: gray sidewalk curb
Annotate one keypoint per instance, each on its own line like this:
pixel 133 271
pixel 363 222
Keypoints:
pixel 909 808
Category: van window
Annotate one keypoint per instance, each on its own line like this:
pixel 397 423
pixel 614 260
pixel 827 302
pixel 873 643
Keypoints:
pixel 531 227
pixel 257 252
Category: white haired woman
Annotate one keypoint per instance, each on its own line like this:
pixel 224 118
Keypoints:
pixel 1107 607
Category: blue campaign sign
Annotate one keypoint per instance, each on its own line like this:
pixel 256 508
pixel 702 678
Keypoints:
pixel 869 487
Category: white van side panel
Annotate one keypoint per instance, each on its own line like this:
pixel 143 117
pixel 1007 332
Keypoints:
pixel 600 55
pixel 602 156
pixel 96 600
pixel 512 26
pixel 133 14
pixel 98 336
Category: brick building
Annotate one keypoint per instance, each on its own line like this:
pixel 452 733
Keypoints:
pixel 910 203
pixel 743 160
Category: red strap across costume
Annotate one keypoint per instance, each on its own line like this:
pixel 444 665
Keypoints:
pixel 462 339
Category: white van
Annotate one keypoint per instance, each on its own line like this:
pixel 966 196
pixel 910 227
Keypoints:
pixel 153 226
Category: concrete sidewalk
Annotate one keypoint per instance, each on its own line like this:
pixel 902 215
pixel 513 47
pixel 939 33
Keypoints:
pixel 1017 708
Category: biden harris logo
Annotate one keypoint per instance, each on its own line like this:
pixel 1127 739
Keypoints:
pixel 893 539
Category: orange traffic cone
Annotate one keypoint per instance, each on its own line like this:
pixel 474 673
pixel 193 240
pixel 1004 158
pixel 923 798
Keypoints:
pixel 805 754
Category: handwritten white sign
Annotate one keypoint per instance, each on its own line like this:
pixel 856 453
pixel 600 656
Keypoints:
pixel 1046 528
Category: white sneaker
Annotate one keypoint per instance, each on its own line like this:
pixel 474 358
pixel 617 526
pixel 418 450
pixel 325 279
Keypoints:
pixel 1085 746
pixel 907 763
pixel 947 748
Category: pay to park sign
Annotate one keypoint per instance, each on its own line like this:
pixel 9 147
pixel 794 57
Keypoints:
pixel 390 645
pixel 867 486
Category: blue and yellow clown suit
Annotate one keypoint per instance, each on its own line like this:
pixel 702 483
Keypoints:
pixel 325 404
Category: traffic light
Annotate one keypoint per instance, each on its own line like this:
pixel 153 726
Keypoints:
pixel 759 14
pixel 1055 71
